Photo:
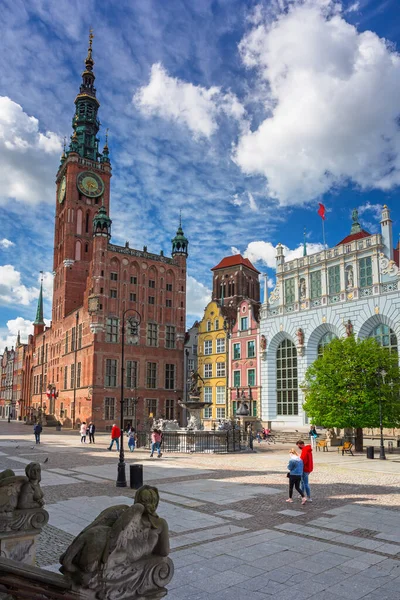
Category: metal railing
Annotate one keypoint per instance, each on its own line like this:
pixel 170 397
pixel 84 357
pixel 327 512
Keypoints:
pixel 212 442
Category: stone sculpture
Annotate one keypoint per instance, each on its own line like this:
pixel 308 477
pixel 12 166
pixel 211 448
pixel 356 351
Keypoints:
pixel 349 328
pixel 194 383
pixel 123 553
pixel 21 513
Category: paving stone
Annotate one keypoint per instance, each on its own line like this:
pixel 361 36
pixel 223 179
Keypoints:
pixel 234 514
pixel 291 513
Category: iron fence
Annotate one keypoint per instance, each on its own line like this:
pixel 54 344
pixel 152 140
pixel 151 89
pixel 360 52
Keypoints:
pixel 212 442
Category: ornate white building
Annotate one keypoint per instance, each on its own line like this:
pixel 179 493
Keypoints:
pixel 350 288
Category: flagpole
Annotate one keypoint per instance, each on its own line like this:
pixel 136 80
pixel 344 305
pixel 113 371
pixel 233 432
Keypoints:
pixel 323 232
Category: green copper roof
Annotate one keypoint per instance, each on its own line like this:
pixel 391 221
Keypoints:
pixel 39 311
pixel 180 242
pixel 102 223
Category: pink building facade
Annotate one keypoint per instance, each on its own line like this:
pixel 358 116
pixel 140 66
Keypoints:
pixel 245 361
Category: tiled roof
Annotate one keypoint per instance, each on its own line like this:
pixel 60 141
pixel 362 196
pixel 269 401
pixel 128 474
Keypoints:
pixel 354 236
pixel 232 261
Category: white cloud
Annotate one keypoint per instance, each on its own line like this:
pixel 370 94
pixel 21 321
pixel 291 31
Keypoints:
pixel 353 7
pixel 26 175
pixel 12 291
pixel 5 243
pixel 375 209
pixel 332 103
pixel 265 252
pixel 47 285
pixel 198 296
pixel 252 202
pixel 194 106
pixel 8 334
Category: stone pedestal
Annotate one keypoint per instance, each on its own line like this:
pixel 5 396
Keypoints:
pixel 18 532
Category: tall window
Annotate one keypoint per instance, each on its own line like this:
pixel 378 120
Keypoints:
pixel 151 405
pixel 134 280
pixel 169 287
pixel 151 375
pixel 244 323
pixel 315 284
pixel 131 374
pixel 113 293
pixel 132 297
pixel 220 345
pixel 220 398
pixel 112 330
pixel 170 336
pixel 251 349
pixel 151 299
pixel 72 376
pixel 208 325
pixel 109 409
pixel 78 375
pixel 152 283
pixel 365 269
pixel 221 413
pixel 207 371
pixel 73 338
pixel 286 379
pixel 152 334
pixel 66 342
pixel 169 377
pixel 385 336
pixel 113 276
pixel 236 351
pixel 221 371
pixel 190 364
pixel 216 324
pixel 289 290
pixel 207 393
pixel 208 347
pixel 334 279
pixel 208 412
pixel 65 377
pixel 80 327
pixel 324 341
pixel 236 379
pixel 111 373
pixel 169 409
pixel 251 377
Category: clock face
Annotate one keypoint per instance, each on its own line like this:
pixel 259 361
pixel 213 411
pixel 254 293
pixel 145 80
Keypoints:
pixel 61 189
pixel 90 184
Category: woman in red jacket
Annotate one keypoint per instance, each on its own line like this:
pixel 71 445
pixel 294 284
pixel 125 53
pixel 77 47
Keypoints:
pixel 115 435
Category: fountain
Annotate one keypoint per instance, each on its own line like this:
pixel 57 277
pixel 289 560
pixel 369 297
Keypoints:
pixel 193 404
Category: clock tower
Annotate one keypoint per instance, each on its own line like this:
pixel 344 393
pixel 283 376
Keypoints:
pixel 83 185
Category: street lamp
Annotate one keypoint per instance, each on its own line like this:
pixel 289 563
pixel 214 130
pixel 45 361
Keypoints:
pixel 133 335
pixel 382 454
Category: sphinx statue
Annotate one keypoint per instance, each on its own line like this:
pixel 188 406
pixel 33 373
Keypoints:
pixel 123 553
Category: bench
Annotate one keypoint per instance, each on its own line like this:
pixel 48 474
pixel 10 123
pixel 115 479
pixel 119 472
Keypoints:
pixel 347 447
pixel 322 444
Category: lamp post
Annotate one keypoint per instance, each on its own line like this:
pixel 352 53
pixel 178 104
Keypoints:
pixel 382 455
pixel 42 381
pixel 133 332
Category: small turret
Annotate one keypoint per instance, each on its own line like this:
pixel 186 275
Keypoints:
pixel 280 259
pixel 180 242
pixel 387 232
pixel 102 223
pixel 105 157
pixel 39 324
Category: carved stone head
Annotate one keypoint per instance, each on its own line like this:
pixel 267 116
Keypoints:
pixel 149 497
pixel 33 472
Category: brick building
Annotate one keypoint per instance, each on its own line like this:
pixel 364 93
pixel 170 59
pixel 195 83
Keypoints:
pixel 73 368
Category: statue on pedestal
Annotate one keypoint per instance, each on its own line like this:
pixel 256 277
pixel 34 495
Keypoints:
pixel 123 553
pixel 194 383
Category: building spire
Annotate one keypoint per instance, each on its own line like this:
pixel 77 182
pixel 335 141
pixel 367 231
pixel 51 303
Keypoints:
pixel 39 311
pixel 304 243
pixel 180 242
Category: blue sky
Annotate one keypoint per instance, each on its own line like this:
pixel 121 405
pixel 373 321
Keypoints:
pixel 242 114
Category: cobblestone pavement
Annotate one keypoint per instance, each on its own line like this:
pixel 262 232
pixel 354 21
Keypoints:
pixel 231 530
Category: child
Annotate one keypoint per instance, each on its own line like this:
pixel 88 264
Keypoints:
pixel 131 439
pixel 295 467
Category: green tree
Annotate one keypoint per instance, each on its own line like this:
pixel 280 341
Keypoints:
pixel 344 386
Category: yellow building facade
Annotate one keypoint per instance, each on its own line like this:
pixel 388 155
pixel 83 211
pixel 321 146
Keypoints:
pixel 212 364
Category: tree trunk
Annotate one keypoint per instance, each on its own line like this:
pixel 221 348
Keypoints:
pixel 359 440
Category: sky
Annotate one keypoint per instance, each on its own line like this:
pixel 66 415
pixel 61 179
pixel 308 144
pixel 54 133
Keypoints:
pixel 242 114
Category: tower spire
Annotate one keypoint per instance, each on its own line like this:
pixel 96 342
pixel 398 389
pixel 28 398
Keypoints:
pixel 180 242
pixel 39 311
pixel 304 243
pixel 85 123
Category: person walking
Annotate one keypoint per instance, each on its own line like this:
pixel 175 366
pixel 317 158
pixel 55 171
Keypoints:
pixel 131 439
pixel 295 468
pixel 308 466
pixel 156 438
pixel 83 432
pixel 115 435
pixel 313 436
pixel 92 431
pixel 37 430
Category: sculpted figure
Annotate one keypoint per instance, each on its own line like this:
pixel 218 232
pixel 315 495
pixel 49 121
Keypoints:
pixel 194 383
pixel 350 278
pixel 300 336
pixel 123 553
pixel 303 289
pixel 20 492
pixel 263 343
pixel 349 328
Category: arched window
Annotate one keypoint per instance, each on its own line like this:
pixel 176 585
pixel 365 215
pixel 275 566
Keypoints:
pixel 286 379
pixel 87 223
pixel 385 336
pixel 79 222
pixel 324 341
pixel 78 251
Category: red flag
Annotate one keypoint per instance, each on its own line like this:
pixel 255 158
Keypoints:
pixel 321 211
